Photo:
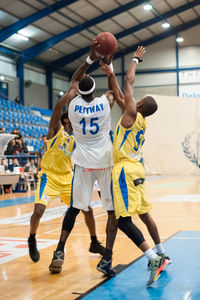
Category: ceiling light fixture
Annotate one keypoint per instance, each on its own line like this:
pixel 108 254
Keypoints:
pixel 179 39
pixel 166 25
pixel 21 37
pixel 25 32
pixel 147 6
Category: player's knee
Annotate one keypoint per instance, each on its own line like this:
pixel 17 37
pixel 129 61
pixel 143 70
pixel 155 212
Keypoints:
pixel 38 211
pixel 73 211
pixel 131 230
pixel 123 223
pixel 69 219
pixel 145 218
pixel 89 212
pixel 112 219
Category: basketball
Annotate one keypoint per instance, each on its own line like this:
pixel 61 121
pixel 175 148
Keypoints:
pixel 107 43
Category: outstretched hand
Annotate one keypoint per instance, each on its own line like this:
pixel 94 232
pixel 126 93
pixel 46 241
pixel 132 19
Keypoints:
pixel 94 55
pixel 139 52
pixel 104 67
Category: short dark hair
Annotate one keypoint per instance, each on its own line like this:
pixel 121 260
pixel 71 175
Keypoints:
pixel 149 106
pixel 85 84
pixel 44 135
pixel 64 116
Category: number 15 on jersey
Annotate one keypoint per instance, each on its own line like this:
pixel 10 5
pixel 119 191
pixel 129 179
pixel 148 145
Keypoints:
pixel 94 126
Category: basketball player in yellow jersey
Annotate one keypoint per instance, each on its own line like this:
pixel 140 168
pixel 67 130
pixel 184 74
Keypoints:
pixel 128 173
pixel 55 177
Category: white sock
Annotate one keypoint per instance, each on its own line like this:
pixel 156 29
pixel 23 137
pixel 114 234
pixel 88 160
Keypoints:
pixel 150 254
pixel 160 249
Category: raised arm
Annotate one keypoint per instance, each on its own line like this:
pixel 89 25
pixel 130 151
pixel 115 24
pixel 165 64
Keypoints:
pixel 114 86
pixel 108 61
pixel 94 56
pixel 130 112
pixel 80 72
pixel 55 124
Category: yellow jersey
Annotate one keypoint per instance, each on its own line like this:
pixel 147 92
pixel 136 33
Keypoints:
pixel 57 158
pixel 128 141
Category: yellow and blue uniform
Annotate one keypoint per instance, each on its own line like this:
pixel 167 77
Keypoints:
pixel 55 177
pixel 128 173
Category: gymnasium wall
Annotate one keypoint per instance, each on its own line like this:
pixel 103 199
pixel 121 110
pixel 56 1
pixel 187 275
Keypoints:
pixel 36 95
pixel 172 138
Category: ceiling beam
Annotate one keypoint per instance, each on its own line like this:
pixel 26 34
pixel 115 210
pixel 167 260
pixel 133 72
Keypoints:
pixel 31 52
pixel 59 63
pixel 153 40
pixel 13 28
pixel 8 51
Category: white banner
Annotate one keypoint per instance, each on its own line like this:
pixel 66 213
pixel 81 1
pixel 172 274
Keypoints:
pixel 172 141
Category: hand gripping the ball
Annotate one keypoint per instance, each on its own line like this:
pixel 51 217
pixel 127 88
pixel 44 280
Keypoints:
pixel 94 55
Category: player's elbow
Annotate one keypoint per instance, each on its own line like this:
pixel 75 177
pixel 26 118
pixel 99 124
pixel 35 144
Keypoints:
pixel 129 80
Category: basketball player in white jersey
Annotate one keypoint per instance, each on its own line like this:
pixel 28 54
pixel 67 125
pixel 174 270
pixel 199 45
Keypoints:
pixel 91 121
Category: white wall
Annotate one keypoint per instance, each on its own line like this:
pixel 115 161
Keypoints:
pixel 36 95
pixel 160 55
pixel 13 88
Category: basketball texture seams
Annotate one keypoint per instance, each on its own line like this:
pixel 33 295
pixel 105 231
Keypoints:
pixel 108 43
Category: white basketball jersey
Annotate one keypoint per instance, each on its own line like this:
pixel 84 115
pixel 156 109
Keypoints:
pixel 91 124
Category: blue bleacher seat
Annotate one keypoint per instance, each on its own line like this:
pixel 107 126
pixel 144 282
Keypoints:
pixel 30 125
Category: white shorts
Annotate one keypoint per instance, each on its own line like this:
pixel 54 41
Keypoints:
pixel 82 187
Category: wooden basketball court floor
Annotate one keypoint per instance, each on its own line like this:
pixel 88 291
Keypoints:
pixel 176 207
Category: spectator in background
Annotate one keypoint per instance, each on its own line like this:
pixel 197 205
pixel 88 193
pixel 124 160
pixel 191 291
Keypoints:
pixel 24 147
pixel 3 163
pixel 6 187
pixel 14 164
pixel 17 100
pixel 41 152
pixel 2 130
pixel 16 131
pixel 18 146
pixel 11 148
pixel 21 148
pixel 32 167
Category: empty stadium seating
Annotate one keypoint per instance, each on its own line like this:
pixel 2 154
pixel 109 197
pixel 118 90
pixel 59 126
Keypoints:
pixel 31 126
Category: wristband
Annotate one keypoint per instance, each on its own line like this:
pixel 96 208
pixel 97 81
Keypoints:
pixel 138 59
pixel 111 67
pixel 135 59
pixel 89 61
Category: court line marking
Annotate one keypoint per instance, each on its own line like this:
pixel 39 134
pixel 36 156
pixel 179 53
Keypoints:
pixel 79 222
pixel 124 236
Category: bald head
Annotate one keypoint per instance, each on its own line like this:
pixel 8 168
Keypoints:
pixel 147 106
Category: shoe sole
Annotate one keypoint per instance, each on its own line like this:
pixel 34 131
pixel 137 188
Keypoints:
pixel 161 269
pixel 56 266
pixel 104 272
pixel 35 259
